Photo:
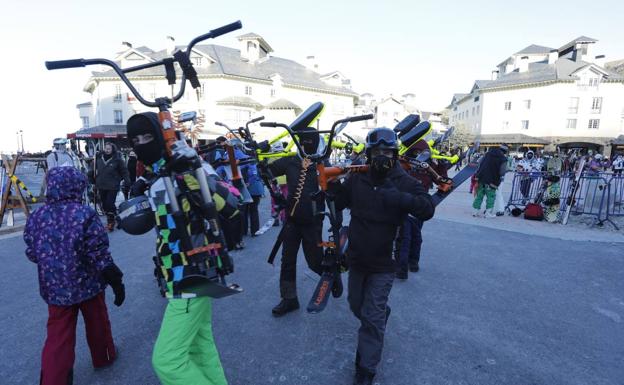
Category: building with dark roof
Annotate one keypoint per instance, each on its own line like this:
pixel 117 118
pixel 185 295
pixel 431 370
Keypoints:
pixel 565 97
pixel 236 84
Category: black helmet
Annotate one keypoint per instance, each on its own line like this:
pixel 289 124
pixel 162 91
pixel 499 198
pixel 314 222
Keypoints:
pixel 381 137
pixel 136 216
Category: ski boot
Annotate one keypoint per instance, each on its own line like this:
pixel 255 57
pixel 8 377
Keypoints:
pixel 285 306
pixel 401 273
pixel 110 222
pixel 490 213
pixel 363 377
pixel 477 213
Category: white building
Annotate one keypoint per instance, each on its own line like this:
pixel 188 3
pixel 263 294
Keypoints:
pixel 565 97
pixel 236 85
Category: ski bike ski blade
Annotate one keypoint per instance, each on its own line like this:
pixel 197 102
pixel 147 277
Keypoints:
pixel 321 295
pixel 205 287
pixel 265 227
pixel 456 181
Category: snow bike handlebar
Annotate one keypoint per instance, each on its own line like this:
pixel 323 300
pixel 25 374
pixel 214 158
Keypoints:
pixel 181 57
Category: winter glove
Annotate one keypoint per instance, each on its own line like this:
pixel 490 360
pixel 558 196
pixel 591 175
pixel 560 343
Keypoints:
pixel 138 188
pixel 393 198
pixel 112 276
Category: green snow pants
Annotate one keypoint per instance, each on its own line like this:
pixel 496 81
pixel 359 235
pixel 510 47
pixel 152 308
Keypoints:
pixel 490 194
pixel 185 351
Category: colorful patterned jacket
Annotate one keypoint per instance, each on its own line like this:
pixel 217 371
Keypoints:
pixel 67 241
pixel 173 263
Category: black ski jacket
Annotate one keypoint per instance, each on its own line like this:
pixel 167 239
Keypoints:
pixel 109 173
pixel 291 167
pixel 492 168
pixel 374 226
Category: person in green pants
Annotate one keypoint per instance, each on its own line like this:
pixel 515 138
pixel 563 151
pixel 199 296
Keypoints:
pixel 185 351
pixel 489 175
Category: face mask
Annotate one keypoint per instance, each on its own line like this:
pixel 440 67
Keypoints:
pixel 381 165
pixel 148 153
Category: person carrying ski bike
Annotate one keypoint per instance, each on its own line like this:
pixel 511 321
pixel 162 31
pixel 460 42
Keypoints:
pixel 185 350
pixel 379 201
pixel 489 176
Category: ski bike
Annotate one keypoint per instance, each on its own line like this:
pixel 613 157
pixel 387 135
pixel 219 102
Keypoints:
pixel 211 261
pixel 333 262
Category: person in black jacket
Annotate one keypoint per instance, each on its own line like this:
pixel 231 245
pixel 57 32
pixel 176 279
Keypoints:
pixel 110 171
pixel 301 226
pixel 489 176
pixel 379 200
pixel 131 164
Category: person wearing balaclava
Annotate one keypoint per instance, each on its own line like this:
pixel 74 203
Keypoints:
pixel 110 171
pixel 185 350
pixel 379 201
pixel 301 227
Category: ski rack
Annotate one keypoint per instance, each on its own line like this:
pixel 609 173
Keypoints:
pixel 178 154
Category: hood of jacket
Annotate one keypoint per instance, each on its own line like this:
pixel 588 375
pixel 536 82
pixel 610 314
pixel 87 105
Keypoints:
pixel 65 184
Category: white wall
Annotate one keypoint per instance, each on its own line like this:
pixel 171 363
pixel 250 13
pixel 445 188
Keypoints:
pixel 549 110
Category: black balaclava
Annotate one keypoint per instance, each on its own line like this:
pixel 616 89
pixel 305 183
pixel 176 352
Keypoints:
pixel 309 140
pixel 530 155
pixel 146 123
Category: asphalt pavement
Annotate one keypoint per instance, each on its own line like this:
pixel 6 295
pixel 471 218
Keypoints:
pixel 488 307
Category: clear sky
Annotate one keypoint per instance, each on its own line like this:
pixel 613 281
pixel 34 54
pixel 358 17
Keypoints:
pixel 430 48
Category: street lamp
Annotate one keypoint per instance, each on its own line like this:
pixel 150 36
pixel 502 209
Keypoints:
pixel 22 139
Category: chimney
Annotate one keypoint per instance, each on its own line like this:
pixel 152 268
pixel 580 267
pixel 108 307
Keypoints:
pixel 523 65
pixel 170 44
pixel 125 46
pixel 494 74
pixel 553 55
pixel 600 60
pixel 311 62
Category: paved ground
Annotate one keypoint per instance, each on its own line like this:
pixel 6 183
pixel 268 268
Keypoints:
pixel 489 307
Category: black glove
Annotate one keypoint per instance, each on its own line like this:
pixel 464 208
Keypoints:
pixel 393 198
pixel 334 186
pixel 112 276
pixel 138 188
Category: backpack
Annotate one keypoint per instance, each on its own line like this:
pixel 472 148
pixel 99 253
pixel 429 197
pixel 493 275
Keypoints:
pixel 534 212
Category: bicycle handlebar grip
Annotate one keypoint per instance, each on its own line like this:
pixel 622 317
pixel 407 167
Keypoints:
pixel 268 124
pixel 219 124
pixel 259 118
pixel 361 117
pixel 226 29
pixel 59 64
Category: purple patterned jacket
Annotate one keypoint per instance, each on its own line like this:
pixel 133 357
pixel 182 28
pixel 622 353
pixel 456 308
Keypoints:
pixel 67 241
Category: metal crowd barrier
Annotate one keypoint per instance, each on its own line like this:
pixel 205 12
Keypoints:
pixel 600 195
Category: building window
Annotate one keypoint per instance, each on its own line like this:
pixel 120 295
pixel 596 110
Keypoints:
pixel 248 90
pixel 525 124
pixel 473 111
pixel 85 121
pixel 478 109
pixel 197 61
pixel 593 82
pixel 527 104
pixel 593 124
pixel 596 105
pixel 505 125
pixel 272 92
pixel 118 116
pixel 237 116
pixel 476 99
pixel 117 97
pixel 573 107
pixel 571 123
pixel 507 106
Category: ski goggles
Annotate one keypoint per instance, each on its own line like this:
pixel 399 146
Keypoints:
pixel 377 137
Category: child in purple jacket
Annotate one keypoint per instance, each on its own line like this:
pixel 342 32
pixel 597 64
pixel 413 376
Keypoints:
pixel 68 243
